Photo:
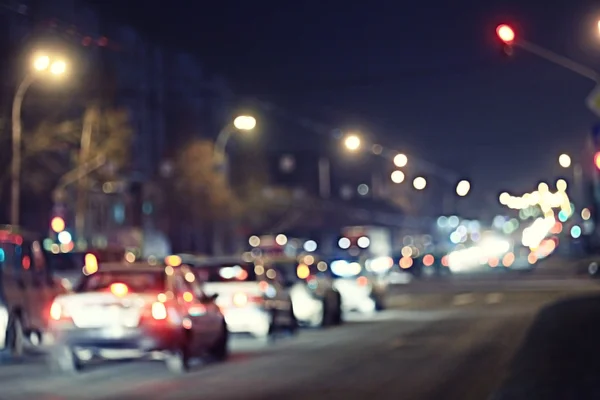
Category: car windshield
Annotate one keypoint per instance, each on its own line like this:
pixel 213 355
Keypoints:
pixel 137 281
pixel 227 272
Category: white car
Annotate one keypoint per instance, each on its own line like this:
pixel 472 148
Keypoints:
pixel 359 291
pixel 132 311
pixel 252 302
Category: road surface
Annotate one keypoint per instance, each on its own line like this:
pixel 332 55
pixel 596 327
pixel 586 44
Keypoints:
pixel 461 349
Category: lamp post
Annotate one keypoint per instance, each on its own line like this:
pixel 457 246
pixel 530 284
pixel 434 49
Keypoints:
pixel 41 64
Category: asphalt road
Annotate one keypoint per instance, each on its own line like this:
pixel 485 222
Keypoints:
pixel 459 349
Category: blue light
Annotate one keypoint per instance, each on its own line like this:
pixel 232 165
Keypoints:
pixel 575 232
pixel 2 255
pixel 562 216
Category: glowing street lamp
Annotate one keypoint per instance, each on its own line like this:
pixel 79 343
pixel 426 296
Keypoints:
pixel 244 123
pixel 564 160
pixel 397 176
pixel 400 160
pixel 352 142
pixel 505 33
pixel 419 183
pixel 40 64
pixel 463 187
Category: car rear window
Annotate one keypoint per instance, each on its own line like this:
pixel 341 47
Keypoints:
pixel 227 272
pixel 136 281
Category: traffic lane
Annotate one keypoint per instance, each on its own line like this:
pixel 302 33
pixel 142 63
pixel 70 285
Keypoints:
pixel 455 353
pixel 560 357
pixel 251 365
pixel 493 283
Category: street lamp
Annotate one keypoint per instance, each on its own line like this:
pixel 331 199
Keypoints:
pixel 462 188
pixel 564 160
pixel 244 123
pixel 419 183
pixel 352 142
pixel 397 176
pixel 240 123
pixel 41 63
pixel 400 160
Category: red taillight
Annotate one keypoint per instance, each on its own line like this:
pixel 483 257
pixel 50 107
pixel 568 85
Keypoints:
pixel 362 281
pixel 119 289
pixel 57 312
pixel 159 311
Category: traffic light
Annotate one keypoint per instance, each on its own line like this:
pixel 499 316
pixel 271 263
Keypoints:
pixel 506 34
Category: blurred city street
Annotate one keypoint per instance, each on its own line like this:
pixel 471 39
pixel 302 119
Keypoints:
pixel 457 345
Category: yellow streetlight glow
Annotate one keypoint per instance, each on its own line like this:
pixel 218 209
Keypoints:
pixel 419 183
pixel 564 160
pixel 462 188
pixel 504 198
pixel 41 63
pixel 244 123
pixel 561 185
pixel 400 160
pixel 397 176
pixel 352 142
pixel 58 68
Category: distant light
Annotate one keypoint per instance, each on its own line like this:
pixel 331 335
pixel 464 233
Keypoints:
pixel 344 243
pixel 419 183
pixel 64 237
pixel 463 187
pixel 575 232
pixel 564 160
pixel 400 160
pixel 586 214
pixel 57 224
pixel 504 198
pixel 254 241
pixel 352 142
pixel 58 68
pixel 281 239
pixel 397 176
pixel 561 185
pixel 363 189
pixel 505 33
pixel 310 246
pixel 363 242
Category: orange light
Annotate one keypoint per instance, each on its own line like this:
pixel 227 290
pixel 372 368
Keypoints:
pixel 188 297
pixel 119 289
pixel 406 262
pixel 57 224
pixel 264 286
pixel 242 275
pixel 173 261
pixel 493 261
pixel 303 271
pixel 505 33
pixel 91 264
pixel 532 258
pixel 362 281
pixel 445 261
pixel 428 260
pixel 597 159
pixel 508 259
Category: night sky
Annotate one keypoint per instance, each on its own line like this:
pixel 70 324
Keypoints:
pixel 426 78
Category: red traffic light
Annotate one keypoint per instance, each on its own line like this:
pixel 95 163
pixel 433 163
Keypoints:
pixel 505 33
pixel 597 160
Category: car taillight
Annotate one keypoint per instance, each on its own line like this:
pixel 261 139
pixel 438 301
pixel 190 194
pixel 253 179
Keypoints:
pixel 159 311
pixel 362 281
pixel 119 289
pixel 58 312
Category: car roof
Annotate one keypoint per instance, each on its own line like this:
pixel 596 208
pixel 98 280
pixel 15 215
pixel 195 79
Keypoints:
pixel 131 267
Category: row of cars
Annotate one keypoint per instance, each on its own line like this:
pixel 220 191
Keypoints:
pixel 187 306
